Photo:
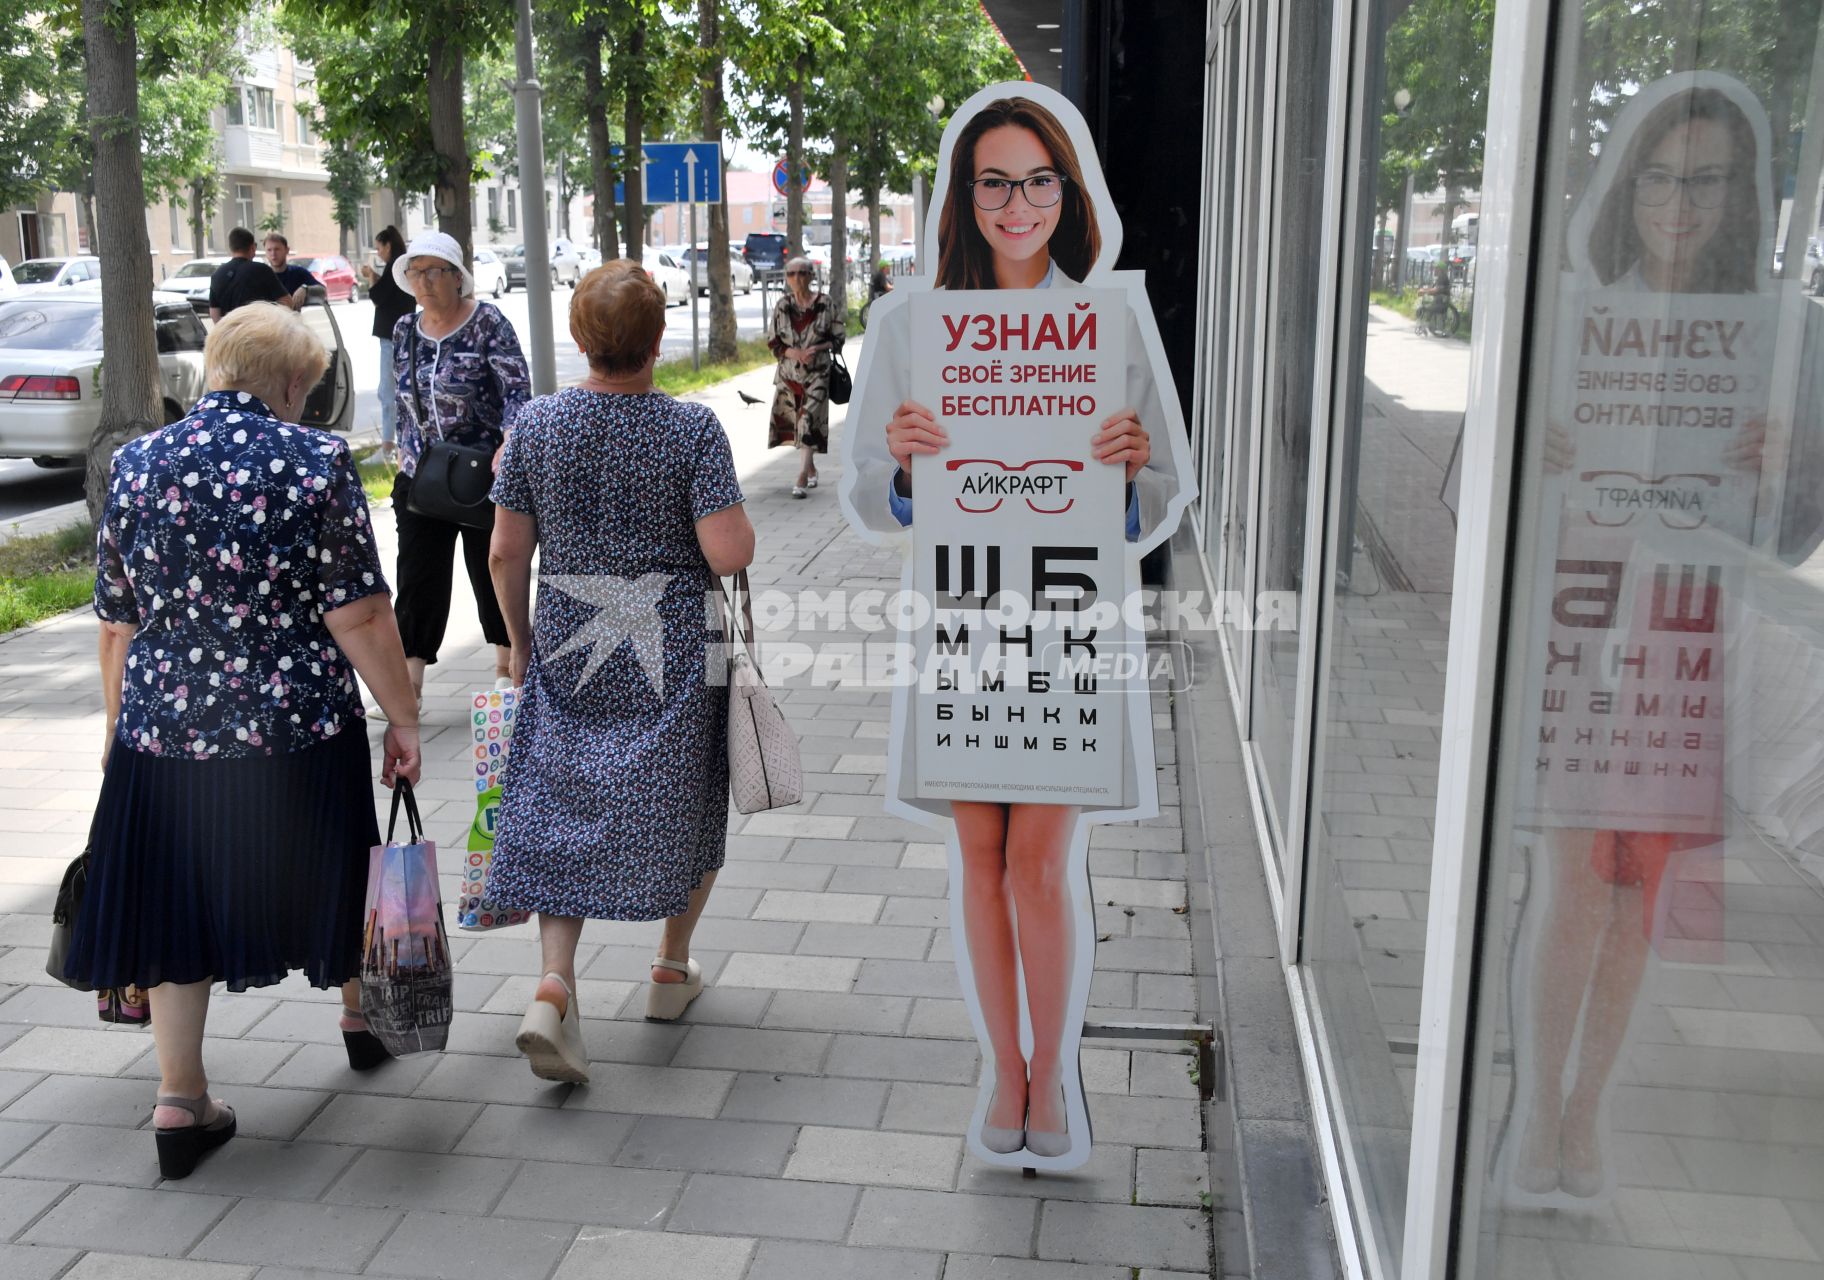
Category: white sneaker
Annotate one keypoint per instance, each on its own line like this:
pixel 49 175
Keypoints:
pixel 554 1045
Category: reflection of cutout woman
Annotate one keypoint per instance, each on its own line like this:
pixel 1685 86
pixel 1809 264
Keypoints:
pixel 1683 216
pixel 1018 215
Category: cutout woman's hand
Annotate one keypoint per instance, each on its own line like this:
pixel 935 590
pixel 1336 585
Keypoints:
pixel 1122 439
pixel 913 430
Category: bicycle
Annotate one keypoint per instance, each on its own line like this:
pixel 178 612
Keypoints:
pixel 1436 314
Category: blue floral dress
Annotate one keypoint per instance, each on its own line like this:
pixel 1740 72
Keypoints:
pixel 615 801
pixel 230 838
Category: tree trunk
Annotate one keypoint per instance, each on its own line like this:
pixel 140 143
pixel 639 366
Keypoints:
pixel 839 225
pixel 199 239
pixel 721 286
pixel 873 235
pixel 447 138
pixel 563 195
pixel 85 215
pixel 601 161
pixel 130 396
pixel 633 120
pixel 794 161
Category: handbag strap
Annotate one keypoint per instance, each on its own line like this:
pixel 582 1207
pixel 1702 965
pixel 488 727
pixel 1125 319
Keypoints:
pixel 741 620
pixel 414 825
pixel 417 396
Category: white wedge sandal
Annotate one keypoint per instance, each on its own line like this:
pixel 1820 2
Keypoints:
pixel 555 1045
pixel 666 1001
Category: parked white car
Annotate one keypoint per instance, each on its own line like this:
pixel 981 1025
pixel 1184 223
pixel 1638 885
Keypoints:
pixel 741 276
pixel 192 280
pixel 668 274
pixel 50 356
pixel 36 275
pixel 8 286
pixel 490 273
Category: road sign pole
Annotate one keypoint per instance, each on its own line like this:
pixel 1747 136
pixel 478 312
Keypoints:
pixel 696 357
pixel 690 254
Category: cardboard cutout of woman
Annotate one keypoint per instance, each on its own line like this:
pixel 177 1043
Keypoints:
pixel 1651 457
pixel 1022 208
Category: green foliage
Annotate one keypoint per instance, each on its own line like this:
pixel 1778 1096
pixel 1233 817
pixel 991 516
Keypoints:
pixel 40 100
pixel 372 60
pixel 1438 51
pixel 188 54
pixel 874 66
pixel 350 175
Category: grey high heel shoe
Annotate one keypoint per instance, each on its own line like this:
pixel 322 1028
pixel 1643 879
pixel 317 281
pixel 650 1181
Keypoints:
pixel 1041 1143
pixel 1003 1142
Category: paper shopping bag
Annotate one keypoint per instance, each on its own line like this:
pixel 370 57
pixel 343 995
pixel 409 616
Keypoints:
pixel 491 714
pixel 405 955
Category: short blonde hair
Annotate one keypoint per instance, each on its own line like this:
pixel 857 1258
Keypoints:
pixel 616 314
pixel 259 348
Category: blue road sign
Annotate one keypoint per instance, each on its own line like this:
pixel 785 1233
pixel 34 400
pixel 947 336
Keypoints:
pixel 682 172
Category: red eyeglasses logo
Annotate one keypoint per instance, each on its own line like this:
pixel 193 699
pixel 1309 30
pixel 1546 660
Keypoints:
pixel 1038 481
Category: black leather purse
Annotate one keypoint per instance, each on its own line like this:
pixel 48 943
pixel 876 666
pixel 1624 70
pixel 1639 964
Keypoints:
pixel 842 386
pixel 452 481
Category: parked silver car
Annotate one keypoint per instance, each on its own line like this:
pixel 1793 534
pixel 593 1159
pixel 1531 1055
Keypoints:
pixel 741 276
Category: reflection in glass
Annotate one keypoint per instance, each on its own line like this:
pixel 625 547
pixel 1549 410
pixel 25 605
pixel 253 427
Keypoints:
pixel 1386 627
pixel 1649 1089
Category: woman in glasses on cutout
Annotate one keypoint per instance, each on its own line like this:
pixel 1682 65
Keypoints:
pixel 805 330
pixel 1682 218
pixel 1018 214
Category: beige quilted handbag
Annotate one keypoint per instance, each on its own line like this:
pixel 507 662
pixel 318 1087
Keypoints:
pixel 764 771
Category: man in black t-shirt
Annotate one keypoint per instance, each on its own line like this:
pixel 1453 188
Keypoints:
pixel 241 279
pixel 292 275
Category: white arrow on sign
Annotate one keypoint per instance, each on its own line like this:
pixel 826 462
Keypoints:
pixel 690 174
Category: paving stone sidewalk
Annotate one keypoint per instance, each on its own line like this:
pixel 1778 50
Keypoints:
pixel 804 1120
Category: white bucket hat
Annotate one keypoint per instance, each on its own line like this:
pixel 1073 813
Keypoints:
pixel 433 244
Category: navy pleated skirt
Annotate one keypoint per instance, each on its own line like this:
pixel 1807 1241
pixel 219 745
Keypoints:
pixel 238 871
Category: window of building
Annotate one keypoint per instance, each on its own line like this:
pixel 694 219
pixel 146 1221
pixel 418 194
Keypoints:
pixel 512 209
pixel 493 206
pixel 1653 898
pixel 243 205
pixel 305 137
pixel 262 110
pixel 364 225
pixel 237 110
pixel 180 228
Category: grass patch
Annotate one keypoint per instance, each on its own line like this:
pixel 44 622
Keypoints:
pixel 376 476
pixel 46 574
pixel 675 377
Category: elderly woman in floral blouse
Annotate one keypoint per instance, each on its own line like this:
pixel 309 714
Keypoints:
pixel 805 329
pixel 461 378
pixel 240 592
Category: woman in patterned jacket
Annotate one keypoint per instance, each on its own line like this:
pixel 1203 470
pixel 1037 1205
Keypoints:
pixel 804 332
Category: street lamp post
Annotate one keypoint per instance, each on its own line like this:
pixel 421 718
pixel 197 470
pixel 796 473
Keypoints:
pixel 526 94
pixel 1402 103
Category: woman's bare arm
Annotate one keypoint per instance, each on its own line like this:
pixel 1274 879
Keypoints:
pixel 510 566
pixel 115 637
pixel 727 540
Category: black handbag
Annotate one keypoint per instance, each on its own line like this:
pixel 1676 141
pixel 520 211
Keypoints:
pixel 452 482
pixel 63 918
pixel 842 386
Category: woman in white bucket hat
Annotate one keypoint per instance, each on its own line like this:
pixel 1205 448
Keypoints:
pixel 460 377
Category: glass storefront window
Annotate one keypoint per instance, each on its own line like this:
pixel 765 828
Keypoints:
pixel 1402 377
pixel 1293 339
pixel 1648 1089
